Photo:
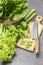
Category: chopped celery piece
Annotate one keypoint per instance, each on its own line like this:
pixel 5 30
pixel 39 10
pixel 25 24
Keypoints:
pixel 22 42
pixel 29 44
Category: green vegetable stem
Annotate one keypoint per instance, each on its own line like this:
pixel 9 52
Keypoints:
pixel 30 13
pixel 31 17
pixel 23 32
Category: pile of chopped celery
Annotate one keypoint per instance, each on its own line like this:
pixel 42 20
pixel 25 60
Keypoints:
pixel 26 43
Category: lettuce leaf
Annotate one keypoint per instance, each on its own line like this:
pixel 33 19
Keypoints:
pixel 12 8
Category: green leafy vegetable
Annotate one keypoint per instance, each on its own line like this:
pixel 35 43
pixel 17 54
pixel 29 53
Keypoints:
pixel 7 44
pixel 24 25
pixel 12 9
pixel 9 35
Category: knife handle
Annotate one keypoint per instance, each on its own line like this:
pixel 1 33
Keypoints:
pixel 37 46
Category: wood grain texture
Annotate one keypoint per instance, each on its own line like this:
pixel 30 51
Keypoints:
pixel 36 46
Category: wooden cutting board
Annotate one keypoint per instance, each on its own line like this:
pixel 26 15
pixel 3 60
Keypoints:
pixel 40 28
pixel 24 46
pixel 33 45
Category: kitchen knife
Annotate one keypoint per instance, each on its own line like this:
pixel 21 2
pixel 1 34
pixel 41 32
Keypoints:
pixel 35 36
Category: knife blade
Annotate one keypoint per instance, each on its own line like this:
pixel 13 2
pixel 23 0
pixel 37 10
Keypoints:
pixel 35 30
pixel 35 36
